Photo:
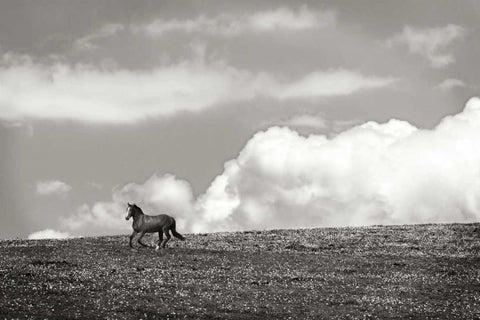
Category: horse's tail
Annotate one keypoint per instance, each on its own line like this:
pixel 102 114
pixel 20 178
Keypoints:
pixel 175 233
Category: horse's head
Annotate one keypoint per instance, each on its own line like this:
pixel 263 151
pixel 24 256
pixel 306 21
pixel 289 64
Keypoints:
pixel 129 211
pixel 132 210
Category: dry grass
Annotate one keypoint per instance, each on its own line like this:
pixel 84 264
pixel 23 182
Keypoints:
pixel 424 271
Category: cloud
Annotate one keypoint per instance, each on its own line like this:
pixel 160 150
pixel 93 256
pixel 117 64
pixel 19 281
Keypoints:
pixel 20 125
pixel 100 218
pixel 448 84
pixel 306 121
pixel 281 19
pixel 332 83
pixel 32 90
pixel 88 42
pixel 390 173
pixel 84 93
pixel 95 185
pixel 51 187
pixel 48 234
pixel 374 173
pixel 158 194
pixel 430 42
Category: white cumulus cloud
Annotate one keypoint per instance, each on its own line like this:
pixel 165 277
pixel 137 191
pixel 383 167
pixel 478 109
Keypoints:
pixel 158 194
pixel 49 234
pixel 50 187
pixel 431 42
pixel 374 173
pixel 370 174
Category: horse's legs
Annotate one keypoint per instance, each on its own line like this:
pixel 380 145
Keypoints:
pixel 167 234
pixel 140 239
pixel 131 238
pixel 160 239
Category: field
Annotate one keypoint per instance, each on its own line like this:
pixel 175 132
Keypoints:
pixel 417 271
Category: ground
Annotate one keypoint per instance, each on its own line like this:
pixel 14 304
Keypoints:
pixel 417 271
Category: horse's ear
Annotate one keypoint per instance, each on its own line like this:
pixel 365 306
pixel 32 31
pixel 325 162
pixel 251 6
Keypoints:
pixel 129 204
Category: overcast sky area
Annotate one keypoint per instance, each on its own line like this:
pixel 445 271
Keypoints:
pixel 237 115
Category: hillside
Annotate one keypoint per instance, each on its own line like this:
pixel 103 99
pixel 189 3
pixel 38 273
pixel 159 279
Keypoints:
pixel 415 271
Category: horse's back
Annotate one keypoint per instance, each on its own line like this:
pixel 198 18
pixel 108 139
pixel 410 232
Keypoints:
pixel 157 223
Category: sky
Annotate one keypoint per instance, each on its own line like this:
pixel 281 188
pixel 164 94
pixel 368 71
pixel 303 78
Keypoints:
pixel 237 115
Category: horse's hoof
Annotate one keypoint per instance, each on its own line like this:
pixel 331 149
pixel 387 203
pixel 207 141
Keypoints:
pixel 157 247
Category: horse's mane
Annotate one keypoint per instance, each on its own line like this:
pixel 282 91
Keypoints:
pixel 137 208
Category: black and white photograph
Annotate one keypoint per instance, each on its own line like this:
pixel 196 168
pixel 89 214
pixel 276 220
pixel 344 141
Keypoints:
pixel 238 159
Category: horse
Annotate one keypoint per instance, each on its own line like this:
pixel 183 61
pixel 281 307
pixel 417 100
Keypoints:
pixel 143 223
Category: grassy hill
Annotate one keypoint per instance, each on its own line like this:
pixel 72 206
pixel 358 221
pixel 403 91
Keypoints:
pixel 418 271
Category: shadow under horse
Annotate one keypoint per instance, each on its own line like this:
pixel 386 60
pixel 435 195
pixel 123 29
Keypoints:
pixel 143 223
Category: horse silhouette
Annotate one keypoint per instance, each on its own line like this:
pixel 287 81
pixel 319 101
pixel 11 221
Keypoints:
pixel 143 223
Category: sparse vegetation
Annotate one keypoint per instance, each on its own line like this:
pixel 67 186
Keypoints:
pixel 423 271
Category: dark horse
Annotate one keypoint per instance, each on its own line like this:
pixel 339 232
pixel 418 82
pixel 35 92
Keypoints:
pixel 143 223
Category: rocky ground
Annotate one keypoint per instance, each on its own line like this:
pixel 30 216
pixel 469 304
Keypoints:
pixel 422 271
